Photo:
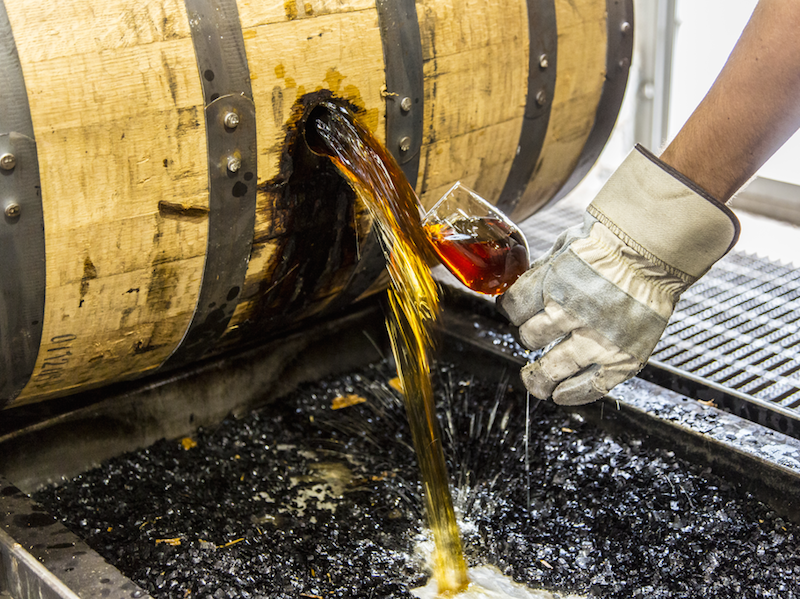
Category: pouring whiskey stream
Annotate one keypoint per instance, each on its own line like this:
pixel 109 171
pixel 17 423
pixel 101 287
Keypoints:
pixel 477 244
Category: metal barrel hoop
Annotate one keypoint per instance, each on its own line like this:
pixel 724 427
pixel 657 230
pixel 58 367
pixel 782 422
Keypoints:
pixel 231 141
pixel 22 242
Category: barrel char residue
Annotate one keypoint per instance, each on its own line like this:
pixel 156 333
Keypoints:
pixel 246 512
pixel 312 217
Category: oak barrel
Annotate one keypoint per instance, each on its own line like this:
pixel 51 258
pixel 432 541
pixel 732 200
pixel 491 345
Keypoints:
pixel 159 204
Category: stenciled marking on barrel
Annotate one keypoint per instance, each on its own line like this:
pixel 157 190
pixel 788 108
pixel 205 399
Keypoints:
pixel 56 359
pixel 542 55
pixel 22 251
pixel 231 141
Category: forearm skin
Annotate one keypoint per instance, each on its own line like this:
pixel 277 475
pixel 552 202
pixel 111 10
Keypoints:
pixel 752 108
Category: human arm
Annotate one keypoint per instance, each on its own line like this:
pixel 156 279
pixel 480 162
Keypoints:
pixel 752 108
pixel 601 298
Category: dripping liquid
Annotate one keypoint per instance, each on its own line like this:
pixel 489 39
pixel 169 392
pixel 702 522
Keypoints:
pixel 414 306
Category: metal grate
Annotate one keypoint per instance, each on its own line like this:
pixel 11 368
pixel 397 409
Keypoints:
pixel 739 327
pixel 736 330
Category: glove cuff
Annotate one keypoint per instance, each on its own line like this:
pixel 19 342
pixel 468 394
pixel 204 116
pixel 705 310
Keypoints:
pixel 664 216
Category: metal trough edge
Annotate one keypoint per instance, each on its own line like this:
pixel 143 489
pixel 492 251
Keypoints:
pixel 22 576
pixel 41 559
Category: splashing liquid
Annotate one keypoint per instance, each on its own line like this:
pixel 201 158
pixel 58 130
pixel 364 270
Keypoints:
pixel 414 307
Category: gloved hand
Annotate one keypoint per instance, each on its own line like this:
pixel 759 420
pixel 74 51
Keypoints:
pixel 604 292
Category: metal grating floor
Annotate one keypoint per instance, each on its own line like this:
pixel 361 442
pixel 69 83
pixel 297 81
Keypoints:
pixel 737 330
pixel 738 327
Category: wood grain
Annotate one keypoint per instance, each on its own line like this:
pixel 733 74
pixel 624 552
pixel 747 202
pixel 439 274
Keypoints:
pixel 475 57
pixel 117 112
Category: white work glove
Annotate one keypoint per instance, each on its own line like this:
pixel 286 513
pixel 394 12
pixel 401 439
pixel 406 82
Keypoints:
pixel 604 292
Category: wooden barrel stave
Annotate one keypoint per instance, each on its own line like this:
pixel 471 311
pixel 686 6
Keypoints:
pixel 112 96
pixel 473 108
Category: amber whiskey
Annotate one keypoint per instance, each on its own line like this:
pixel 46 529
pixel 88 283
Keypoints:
pixel 485 254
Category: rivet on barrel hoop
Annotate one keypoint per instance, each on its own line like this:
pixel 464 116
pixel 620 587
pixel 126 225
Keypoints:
pixel 231 120
pixel 234 164
pixel 8 161
pixel 13 210
pixel 404 144
pixel 543 62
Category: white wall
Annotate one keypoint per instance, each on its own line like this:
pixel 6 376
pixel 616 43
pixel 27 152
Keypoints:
pixel 706 33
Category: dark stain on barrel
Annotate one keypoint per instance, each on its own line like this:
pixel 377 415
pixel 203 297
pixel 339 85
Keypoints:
pixel 311 218
pixel 159 233
pixel 239 189
pixel 161 287
pixel 145 347
pixel 182 212
pixel 187 119
pixel 290 6
pixel 277 105
pixel 89 274
pixel 168 29
pixel 172 80
pixel 123 319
